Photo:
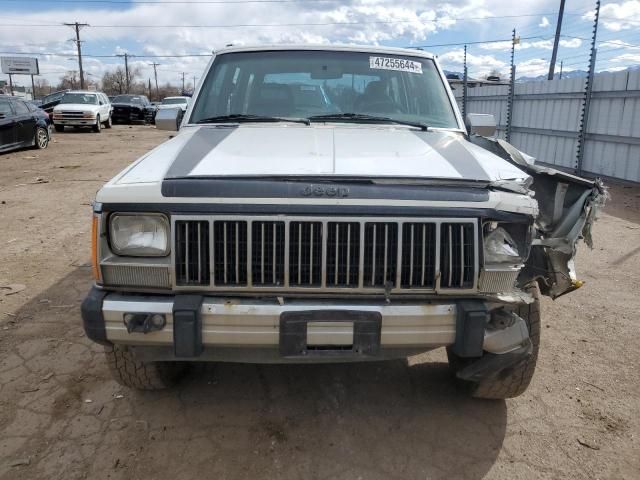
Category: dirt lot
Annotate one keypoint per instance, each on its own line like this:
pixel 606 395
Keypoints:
pixel 62 417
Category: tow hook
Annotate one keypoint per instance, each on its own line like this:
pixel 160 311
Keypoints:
pixel 144 322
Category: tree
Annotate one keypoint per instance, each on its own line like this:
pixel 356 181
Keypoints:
pixel 42 87
pixel 493 73
pixel 115 81
pixel 69 81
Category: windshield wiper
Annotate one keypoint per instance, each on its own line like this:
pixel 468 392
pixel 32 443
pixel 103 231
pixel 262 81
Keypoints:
pixel 361 117
pixel 246 118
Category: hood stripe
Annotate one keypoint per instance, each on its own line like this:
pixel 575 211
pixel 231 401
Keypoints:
pixel 201 143
pixel 456 155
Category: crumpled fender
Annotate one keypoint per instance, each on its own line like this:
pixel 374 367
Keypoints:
pixel 568 206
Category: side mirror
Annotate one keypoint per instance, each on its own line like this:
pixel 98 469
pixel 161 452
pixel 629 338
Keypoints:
pixel 482 124
pixel 168 119
pixel 101 103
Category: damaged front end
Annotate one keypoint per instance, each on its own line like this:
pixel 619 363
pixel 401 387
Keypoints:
pixel 568 206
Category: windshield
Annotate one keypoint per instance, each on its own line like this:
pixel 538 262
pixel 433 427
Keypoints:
pixel 80 98
pixel 174 101
pixel 128 99
pixel 305 84
pixel 5 108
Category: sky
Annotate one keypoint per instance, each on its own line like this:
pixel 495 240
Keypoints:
pixel 180 35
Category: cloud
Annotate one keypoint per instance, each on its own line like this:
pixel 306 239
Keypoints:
pixel 478 65
pixel 618 16
pixel 527 44
pixel 544 23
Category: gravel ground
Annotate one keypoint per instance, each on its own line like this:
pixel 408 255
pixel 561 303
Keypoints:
pixel 62 417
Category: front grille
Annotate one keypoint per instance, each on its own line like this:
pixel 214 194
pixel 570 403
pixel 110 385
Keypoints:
pixel 380 254
pixel 267 253
pixel 136 276
pixel 192 252
pixel 318 254
pixel 305 254
pixel 230 252
pixel 418 255
pixel 343 250
pixel 456 255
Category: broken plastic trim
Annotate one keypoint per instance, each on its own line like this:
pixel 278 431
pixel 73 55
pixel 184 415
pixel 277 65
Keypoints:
pixel 568 206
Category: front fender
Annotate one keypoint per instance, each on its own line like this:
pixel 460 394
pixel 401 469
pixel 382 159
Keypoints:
pixel 568 206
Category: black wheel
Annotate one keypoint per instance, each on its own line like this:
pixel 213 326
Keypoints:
pixel 513 381
pixel 127 370
pixel 41 138
pixel 59 128
pixel 98 126
pixel 108 123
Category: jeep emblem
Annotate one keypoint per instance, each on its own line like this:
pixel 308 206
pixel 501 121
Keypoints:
pixel 322 191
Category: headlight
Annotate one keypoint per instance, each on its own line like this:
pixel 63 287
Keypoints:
pixel 499 247
pixel 88 115
pixel 144 235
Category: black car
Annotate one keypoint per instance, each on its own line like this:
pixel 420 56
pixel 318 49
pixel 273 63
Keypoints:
pixel 22 125
pixel 132 109
pixel 51 101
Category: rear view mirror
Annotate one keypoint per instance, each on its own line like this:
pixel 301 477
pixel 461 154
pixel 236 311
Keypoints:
pixel 482 124
pixel 326 72
pixel 169 119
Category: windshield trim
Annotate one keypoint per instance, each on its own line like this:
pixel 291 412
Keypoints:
pixel 337 48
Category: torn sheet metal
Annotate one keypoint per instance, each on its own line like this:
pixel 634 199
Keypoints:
pixel 568 206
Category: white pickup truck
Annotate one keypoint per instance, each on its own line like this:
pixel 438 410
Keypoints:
pixel 360 222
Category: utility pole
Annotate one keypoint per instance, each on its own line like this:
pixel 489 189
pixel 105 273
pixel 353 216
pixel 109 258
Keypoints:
pixel 183 74
pixel 194 84
pixel 77 26
pixel 155 74
pixel 11 84
pixel 126 70
pixel 552 65
pixel 514 40
pixel 560 69
pixel 465 79
pixel 584 120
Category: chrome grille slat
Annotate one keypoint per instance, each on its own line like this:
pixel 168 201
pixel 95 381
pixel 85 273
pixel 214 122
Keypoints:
pixel 317 254
pixel 192 253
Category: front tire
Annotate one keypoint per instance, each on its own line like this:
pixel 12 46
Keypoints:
pixel 131 372
pixel 108 123
pixel 41 138
pixel 98 126
pixel 512 381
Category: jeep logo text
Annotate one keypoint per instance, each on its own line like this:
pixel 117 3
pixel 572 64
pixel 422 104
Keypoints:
pixel 322 191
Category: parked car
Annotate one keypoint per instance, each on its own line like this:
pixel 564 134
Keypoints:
pixel 181 103
pixel 133 109
pixel 174 102
pixel 265 231
pixel 22 125
pixel 82 109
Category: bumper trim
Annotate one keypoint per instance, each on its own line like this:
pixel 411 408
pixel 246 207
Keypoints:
pixel 187 326
pixel 93 318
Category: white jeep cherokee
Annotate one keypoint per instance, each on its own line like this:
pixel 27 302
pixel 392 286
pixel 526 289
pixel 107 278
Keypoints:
pixel 327 204
pixel 83 109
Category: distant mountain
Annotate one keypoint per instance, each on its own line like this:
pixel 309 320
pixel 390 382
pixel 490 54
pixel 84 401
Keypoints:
pixel 565 74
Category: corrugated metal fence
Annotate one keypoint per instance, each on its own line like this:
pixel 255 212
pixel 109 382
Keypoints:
pixel 546 121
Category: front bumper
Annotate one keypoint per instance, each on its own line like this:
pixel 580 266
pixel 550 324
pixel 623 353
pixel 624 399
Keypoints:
pixel 79 122
pixel 265 330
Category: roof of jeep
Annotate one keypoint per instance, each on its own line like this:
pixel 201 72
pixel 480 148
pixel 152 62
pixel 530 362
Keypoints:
pixel 337 48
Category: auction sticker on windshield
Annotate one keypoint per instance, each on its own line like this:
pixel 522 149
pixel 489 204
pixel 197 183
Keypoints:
pixel 398 64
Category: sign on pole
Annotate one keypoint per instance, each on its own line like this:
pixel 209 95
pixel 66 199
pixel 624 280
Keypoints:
pixel 19 65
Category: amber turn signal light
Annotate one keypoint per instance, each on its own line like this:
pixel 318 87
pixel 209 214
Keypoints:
pixel 94 248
